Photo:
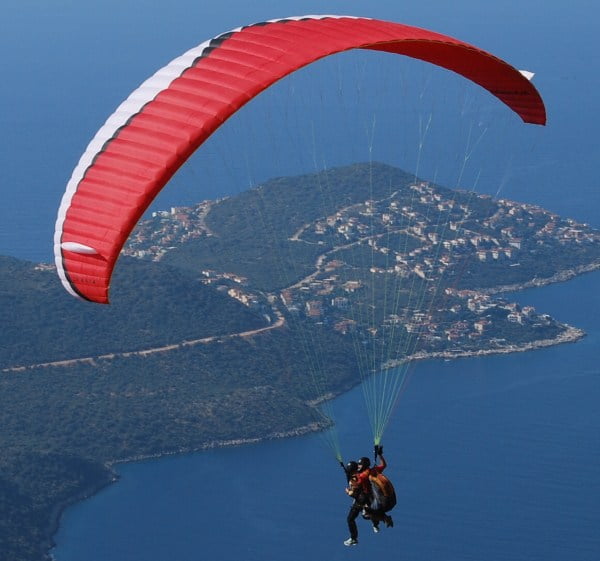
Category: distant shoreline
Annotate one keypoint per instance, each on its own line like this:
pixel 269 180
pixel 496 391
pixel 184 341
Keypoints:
pixel 210 445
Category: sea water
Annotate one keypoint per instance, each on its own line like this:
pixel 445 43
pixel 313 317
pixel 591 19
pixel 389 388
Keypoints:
pixel 493 458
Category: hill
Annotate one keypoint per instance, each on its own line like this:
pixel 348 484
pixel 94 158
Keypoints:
pixel 212 342
pixel 154 305
pixel 64 425
pixel 254 228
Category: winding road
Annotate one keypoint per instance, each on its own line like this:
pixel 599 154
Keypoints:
pixel 280 322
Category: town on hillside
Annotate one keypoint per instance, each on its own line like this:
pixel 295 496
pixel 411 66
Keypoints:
pixel 412 272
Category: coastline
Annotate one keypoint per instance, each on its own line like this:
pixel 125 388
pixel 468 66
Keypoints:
pixel 113 476
pixel 212 444
pixel 561 276
pixel 59 509
pixel 569 335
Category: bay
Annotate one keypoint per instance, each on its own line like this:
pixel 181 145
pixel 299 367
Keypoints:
pixel 493 458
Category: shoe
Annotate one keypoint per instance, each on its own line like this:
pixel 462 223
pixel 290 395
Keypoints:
pixel 376 529
pixel 351 541
pixel 389 522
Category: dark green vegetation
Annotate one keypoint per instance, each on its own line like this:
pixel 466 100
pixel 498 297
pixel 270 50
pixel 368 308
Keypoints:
pixel 64 424
pixel 61 425
pixel 254 227
pixel 371 250
pixel 254 230
pixel 152 306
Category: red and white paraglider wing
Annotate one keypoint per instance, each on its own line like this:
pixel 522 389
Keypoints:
pixel 169 116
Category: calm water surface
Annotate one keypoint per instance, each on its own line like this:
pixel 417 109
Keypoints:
pixel 494 458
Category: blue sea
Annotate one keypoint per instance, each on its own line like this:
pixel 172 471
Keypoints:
pixel 493 458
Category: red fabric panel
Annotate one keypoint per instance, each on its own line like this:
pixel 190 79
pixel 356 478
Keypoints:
pixel 132 168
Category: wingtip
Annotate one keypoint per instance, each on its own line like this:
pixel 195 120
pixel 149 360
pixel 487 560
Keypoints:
pixel 529 75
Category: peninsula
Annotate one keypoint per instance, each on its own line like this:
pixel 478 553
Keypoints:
pixel 205 342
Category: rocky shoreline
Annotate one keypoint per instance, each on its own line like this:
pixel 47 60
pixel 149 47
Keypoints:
pixel 561 276
pixel 298 431
pixel 113 476
pixel 569 335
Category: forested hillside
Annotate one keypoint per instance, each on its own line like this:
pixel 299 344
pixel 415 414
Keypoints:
pixel 152 305
pixel 253 228
pixel 62 426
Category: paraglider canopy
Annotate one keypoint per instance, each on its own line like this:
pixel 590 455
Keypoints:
pixel 169 116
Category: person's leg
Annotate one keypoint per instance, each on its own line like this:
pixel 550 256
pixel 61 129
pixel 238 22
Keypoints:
pixel 351 519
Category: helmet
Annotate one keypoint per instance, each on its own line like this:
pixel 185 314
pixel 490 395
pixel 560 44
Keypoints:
pixel 351 467
pixel 364 462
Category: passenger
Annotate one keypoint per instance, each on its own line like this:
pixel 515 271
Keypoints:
pixel 355 490
pixel 372 492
